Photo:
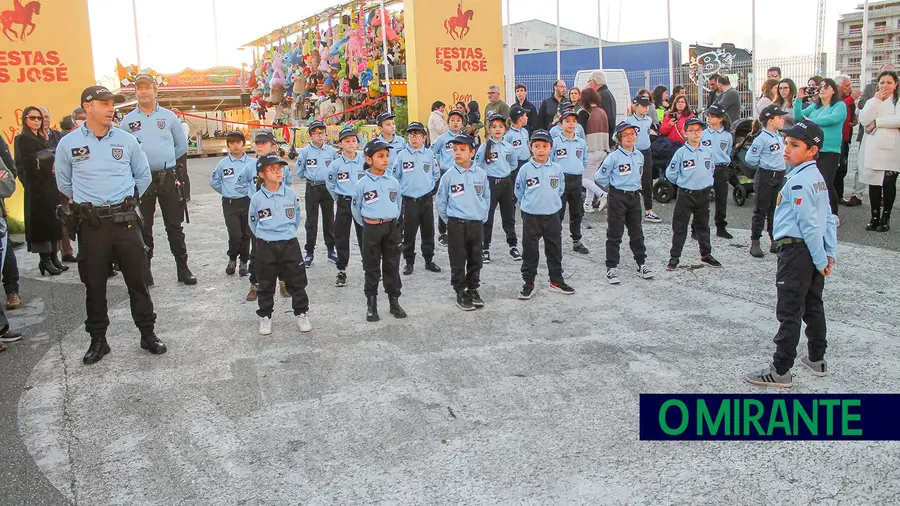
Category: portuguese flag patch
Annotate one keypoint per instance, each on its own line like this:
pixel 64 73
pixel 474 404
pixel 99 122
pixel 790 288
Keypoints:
pixel 798 201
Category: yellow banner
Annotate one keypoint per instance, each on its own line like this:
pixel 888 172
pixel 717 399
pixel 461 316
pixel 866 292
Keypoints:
pixel 45 60
pixel 454 52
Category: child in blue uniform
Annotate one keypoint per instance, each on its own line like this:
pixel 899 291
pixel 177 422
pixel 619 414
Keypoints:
pixel 766 153
pixel 717 137
pixel 274 220
pixel 517 137
pixel 570 153
pixel 691 171
pixel 443 153
pixel 498 159
pixel 345 171
pixel 313 164
pixel 462 199
pixel 805 234
pixel 229 179
pixel 641 120
pixel 539 189
pixel 376 206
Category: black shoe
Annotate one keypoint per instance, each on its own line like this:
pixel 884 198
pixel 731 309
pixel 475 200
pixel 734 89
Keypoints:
pixel 56 263
pixel 464 301
pixel 874 223
pixel 151 343
pixel 514 254
pixel 432 267
pixel 243 270
pixel 710 261
pixel 408 269
pixel 673 264
pixel 476 299
pixel 308 260
pixel 332 257
pixel 184 273
pixel 229 269
pixel 721 232
pixel 579 247
pixel 443 241
pixel 885 224
pixel 853 201
pixel 45 265
pixel 395 308
pixel 341 279
pixel 772 248
pixel 97 350
pixel 486 257
pixel 69 259
pixel 527 292
pixel 562 288
pixel 372 308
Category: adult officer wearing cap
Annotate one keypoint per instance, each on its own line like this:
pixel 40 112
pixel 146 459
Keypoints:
pixel 164 142
pixel 766 153
pixel 443 154
pixel 385 122
pixel 806 241
pixel 376 206
pixel 101 169
pixel 720 140
pixel 415 168
pixel 229 179
pixel 313 165
pixel 570 152
pixel 345 171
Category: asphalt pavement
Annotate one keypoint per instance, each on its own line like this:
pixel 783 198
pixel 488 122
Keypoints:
pixel 522 402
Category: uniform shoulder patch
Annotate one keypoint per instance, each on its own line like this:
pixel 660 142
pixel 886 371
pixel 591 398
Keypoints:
pixel 797 187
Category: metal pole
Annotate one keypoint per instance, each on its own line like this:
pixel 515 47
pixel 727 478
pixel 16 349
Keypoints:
pixel 599 36
pixel 384 46
pixel 864 58
pixel 752 47
pixel 511 82
pixel 137 42
pixel 558 66
pixel 215 31
pixel 669 31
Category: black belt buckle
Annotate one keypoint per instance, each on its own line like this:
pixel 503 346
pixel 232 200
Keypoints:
pixel 315 183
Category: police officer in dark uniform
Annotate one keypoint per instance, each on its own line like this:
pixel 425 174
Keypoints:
pixel 101 169
pixel 164 143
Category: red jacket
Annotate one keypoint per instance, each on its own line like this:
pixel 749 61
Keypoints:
pixel 675 135
pixel 851 118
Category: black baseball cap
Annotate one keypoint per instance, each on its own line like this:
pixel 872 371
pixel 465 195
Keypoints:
pixel 463 139
pixel 516 112
pixel 770 112
pixel 145 78
pixel 383 117
pixel 264 161
pixel 235 134
pixel 715 110
pixel 415 126
pixel 807 131
pixel 496 117
pixel 458 113
pixel 540 135
pixel 347 132
pixel 641 100
pixel 693 121
pixel 376 145
pixel 100 93
pixel 621 127
pixel 265 136
pixel 314 125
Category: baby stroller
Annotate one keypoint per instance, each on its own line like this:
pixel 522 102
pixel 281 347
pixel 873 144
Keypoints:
pixel 741 175
pixel 663 150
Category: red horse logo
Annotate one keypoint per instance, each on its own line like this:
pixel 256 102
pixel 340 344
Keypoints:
pixel 457 26
pixel 20 15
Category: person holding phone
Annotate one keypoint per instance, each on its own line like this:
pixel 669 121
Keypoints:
pixel 672 125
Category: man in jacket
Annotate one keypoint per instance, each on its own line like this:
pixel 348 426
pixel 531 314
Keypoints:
pixel 528 107
pixel 597 81
pixel 550 106
pixel 495 104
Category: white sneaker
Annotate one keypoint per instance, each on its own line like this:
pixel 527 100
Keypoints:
pixel 602 204
pixel 652 217
pixel 303 323
pixel 644 272
pixel 265 325
pixel 588 208
pixel 612 276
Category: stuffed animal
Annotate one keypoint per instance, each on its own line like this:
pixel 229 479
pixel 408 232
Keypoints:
pixel 378 20
pixel 276 83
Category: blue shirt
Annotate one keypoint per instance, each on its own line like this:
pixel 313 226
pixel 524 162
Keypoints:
pixel 464 194
pixel 556 131
pixel 691 168
pixel 621 170
pixel 343 175
pixel 230 179
pixel 518 139
pixel 397 143
pixel 570 154
pixel 539 188
pixel 274 216
pixel 443 150
pixel 803 212
pixel 416 171
pixel 720 142
pixel 376 198
pixel 767 151
pixel 101 171
pixel 643 134
pixel 160 134
pixel 502 160
pixel 314 163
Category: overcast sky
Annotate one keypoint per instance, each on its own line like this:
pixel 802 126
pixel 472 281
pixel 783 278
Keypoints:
pixel 175 34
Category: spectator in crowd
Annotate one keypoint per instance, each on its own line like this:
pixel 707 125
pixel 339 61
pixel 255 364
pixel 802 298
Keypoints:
pixel 79 116
pixel 593 119
pixel 35 152
pixel 51 134
pixel 660 99
pixel 575 98
pixel 813 83
pixel 848 96
pixel 678 91
pixel 767 97
pixel 437 125
pixel 827 111
pixel 728 99
pixel 878 160
pixel 774 73
pixel 67 124
pixel 787 92
pixel 597 81
pixel 654 116
pixel 713 89
pixel 495 104
pixel 474 125
pixel 530 109
pixel 462 107
pixel 550 106
pixel 672 125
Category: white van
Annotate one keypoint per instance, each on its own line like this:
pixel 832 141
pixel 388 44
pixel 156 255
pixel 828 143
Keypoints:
pixel 617 81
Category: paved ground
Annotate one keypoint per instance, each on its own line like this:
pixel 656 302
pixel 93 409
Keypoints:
pixel 522 402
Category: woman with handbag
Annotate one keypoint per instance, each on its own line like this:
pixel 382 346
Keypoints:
pixel 35 152
pixel 878 161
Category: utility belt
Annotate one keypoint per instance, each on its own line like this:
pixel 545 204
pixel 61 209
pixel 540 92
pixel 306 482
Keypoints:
pixel 786 242
pixel 123 212
pixel 241 200
pixel 160 176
